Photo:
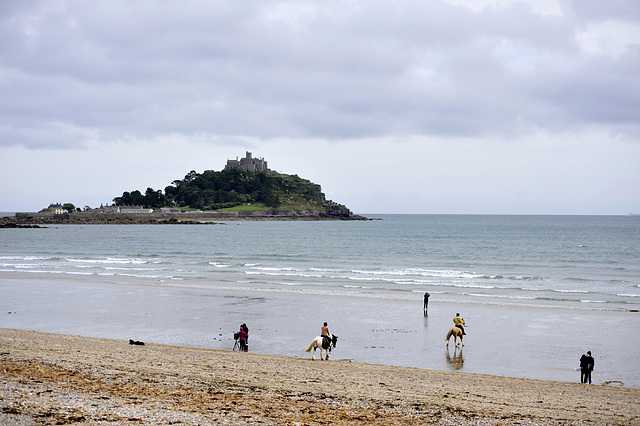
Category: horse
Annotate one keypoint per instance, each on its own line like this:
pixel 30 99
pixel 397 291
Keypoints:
pixel 320 342
pixel 455 332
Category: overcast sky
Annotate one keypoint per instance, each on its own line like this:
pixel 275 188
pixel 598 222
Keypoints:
pixel 410 106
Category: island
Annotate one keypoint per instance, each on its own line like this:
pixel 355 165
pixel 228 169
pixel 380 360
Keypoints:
pixel 246 189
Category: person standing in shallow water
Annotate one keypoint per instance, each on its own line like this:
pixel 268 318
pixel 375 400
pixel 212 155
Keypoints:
pixel 426 302
pixel 586 367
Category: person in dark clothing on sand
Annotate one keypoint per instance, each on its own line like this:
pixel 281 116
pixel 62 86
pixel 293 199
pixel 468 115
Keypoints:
pixel 426 302
pixel 586 367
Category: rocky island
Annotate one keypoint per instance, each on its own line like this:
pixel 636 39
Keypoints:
pixel 245 190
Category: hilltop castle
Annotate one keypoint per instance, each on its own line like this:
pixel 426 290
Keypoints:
pixel 248 163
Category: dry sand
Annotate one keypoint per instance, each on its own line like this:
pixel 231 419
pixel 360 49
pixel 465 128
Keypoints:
pixel 60 379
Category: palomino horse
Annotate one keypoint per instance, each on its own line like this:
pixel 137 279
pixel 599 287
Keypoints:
pixel 455 332
pixel 323 344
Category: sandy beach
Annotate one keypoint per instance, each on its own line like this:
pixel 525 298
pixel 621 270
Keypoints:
pixel 62 379
pixel 371 331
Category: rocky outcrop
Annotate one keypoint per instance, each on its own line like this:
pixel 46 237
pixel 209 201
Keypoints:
pixel 12 223
pixel 157 218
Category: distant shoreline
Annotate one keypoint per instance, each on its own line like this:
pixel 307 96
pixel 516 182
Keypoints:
pixel 163 218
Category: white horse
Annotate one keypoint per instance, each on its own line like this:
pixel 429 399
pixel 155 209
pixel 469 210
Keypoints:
pixel 319 342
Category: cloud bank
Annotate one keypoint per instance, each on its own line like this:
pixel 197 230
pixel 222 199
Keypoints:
pixel 75 75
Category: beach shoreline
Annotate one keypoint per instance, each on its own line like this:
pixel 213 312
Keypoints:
pixel 49 378
pixel 540 345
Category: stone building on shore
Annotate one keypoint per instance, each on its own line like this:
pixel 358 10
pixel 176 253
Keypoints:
pixel 54 208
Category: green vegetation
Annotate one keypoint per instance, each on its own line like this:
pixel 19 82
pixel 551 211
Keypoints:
pixel 235 190
pixel 69 207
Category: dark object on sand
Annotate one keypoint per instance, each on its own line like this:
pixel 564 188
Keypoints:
pixel 236 345
pixel 135 342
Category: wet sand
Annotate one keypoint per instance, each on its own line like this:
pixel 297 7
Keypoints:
pixel 61 379
pixel 526 342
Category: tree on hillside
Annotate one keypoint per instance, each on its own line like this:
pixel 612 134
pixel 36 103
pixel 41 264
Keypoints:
pixel 133 198
pixel 154 199
pixel 69 207
pixel 213 190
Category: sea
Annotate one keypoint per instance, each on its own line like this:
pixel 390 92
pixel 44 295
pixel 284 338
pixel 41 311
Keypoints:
pixel 535 291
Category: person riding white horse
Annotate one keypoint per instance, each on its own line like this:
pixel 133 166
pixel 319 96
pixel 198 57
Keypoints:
pixel 324 332
pixel 323 342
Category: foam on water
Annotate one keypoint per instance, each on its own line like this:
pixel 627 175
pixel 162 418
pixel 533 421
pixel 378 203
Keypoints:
pixel 482 259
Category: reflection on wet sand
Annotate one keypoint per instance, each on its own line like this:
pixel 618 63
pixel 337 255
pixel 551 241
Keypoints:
pixel 456 361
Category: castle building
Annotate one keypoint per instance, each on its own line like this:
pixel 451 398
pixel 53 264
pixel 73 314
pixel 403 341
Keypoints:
pixel 248 163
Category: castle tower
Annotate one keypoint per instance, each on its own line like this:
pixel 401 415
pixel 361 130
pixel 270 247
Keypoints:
pixel 248 163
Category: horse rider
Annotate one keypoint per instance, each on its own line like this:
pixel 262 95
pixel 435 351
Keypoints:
pixel 324 333
pixel 459 322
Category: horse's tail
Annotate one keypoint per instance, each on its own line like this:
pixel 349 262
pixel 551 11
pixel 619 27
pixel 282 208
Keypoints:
pixel 449 334
pixel 310 346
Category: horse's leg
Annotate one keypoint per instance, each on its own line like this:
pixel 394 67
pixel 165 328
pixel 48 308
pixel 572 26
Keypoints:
pixel 313 357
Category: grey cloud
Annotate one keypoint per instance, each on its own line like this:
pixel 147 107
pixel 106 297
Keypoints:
pixel 597 10
pixel 334 70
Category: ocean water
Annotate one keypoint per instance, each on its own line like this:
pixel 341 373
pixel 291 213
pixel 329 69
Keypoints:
pixel 192 284
pixel 588 262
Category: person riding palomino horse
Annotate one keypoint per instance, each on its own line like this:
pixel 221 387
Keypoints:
pixel 459 322
pixel 456 331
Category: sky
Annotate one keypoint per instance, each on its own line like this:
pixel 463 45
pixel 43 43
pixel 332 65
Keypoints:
pixel 410 106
